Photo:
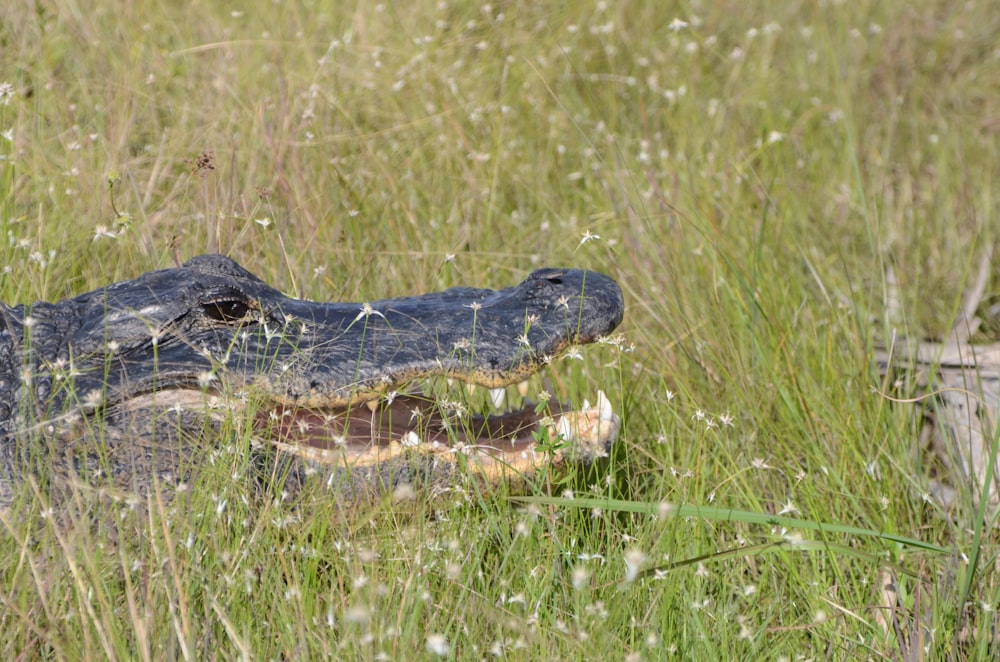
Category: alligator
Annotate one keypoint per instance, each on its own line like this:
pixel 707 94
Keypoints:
pixel 130 387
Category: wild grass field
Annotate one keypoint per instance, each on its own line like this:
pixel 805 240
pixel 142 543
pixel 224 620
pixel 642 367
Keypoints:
pixel 748 172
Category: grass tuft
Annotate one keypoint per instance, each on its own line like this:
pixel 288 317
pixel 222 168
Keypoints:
pixel 747 173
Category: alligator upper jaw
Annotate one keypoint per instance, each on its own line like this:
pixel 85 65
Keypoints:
pixel 339 354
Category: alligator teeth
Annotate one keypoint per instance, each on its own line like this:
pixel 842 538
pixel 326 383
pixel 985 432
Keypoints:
pixel 592 428
pixel 563 429
pixel 372 405
pixel 604 407
pixel 470 388
pixel 522 388
pixel 497 397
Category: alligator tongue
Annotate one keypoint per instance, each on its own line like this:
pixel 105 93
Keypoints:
pixel 408 419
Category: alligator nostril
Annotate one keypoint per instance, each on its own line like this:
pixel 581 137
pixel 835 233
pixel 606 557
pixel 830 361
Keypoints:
pixel 555 279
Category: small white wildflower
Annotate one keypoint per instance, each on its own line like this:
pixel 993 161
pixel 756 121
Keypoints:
pixel 589 236
pixel 677 25
pixel 745 632
pixel 793 538
pixel 358 614
pixel 404 492
pixel 634 559
pixel 437 644
pixel 584 556
pixel 368 311
pixel 789 507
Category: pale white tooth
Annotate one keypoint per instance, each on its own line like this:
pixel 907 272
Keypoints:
pixel 497 397
pixel 604 407
pixel 522 388
pixel 563 429
pixel 372 405
pixel 450 381
pixel 470 389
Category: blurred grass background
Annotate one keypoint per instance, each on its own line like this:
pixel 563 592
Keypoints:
pixel 749 171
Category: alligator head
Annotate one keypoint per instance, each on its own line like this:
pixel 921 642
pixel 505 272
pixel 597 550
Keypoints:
pixel 152 358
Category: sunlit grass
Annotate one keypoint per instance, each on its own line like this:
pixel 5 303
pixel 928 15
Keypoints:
pixel 746 173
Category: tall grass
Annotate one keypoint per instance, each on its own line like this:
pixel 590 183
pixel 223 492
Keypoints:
pixel 749 172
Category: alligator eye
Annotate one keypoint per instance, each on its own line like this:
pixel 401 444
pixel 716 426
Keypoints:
pixel 226 311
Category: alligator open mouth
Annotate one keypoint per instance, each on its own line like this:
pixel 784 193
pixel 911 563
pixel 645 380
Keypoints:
pixel 392 429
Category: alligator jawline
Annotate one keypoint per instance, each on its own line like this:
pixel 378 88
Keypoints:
pixel 392 430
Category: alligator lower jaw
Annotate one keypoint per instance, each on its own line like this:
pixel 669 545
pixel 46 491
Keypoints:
pixel 381 432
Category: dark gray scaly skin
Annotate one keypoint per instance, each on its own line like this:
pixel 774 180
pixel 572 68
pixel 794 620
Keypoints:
pixel 95 385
